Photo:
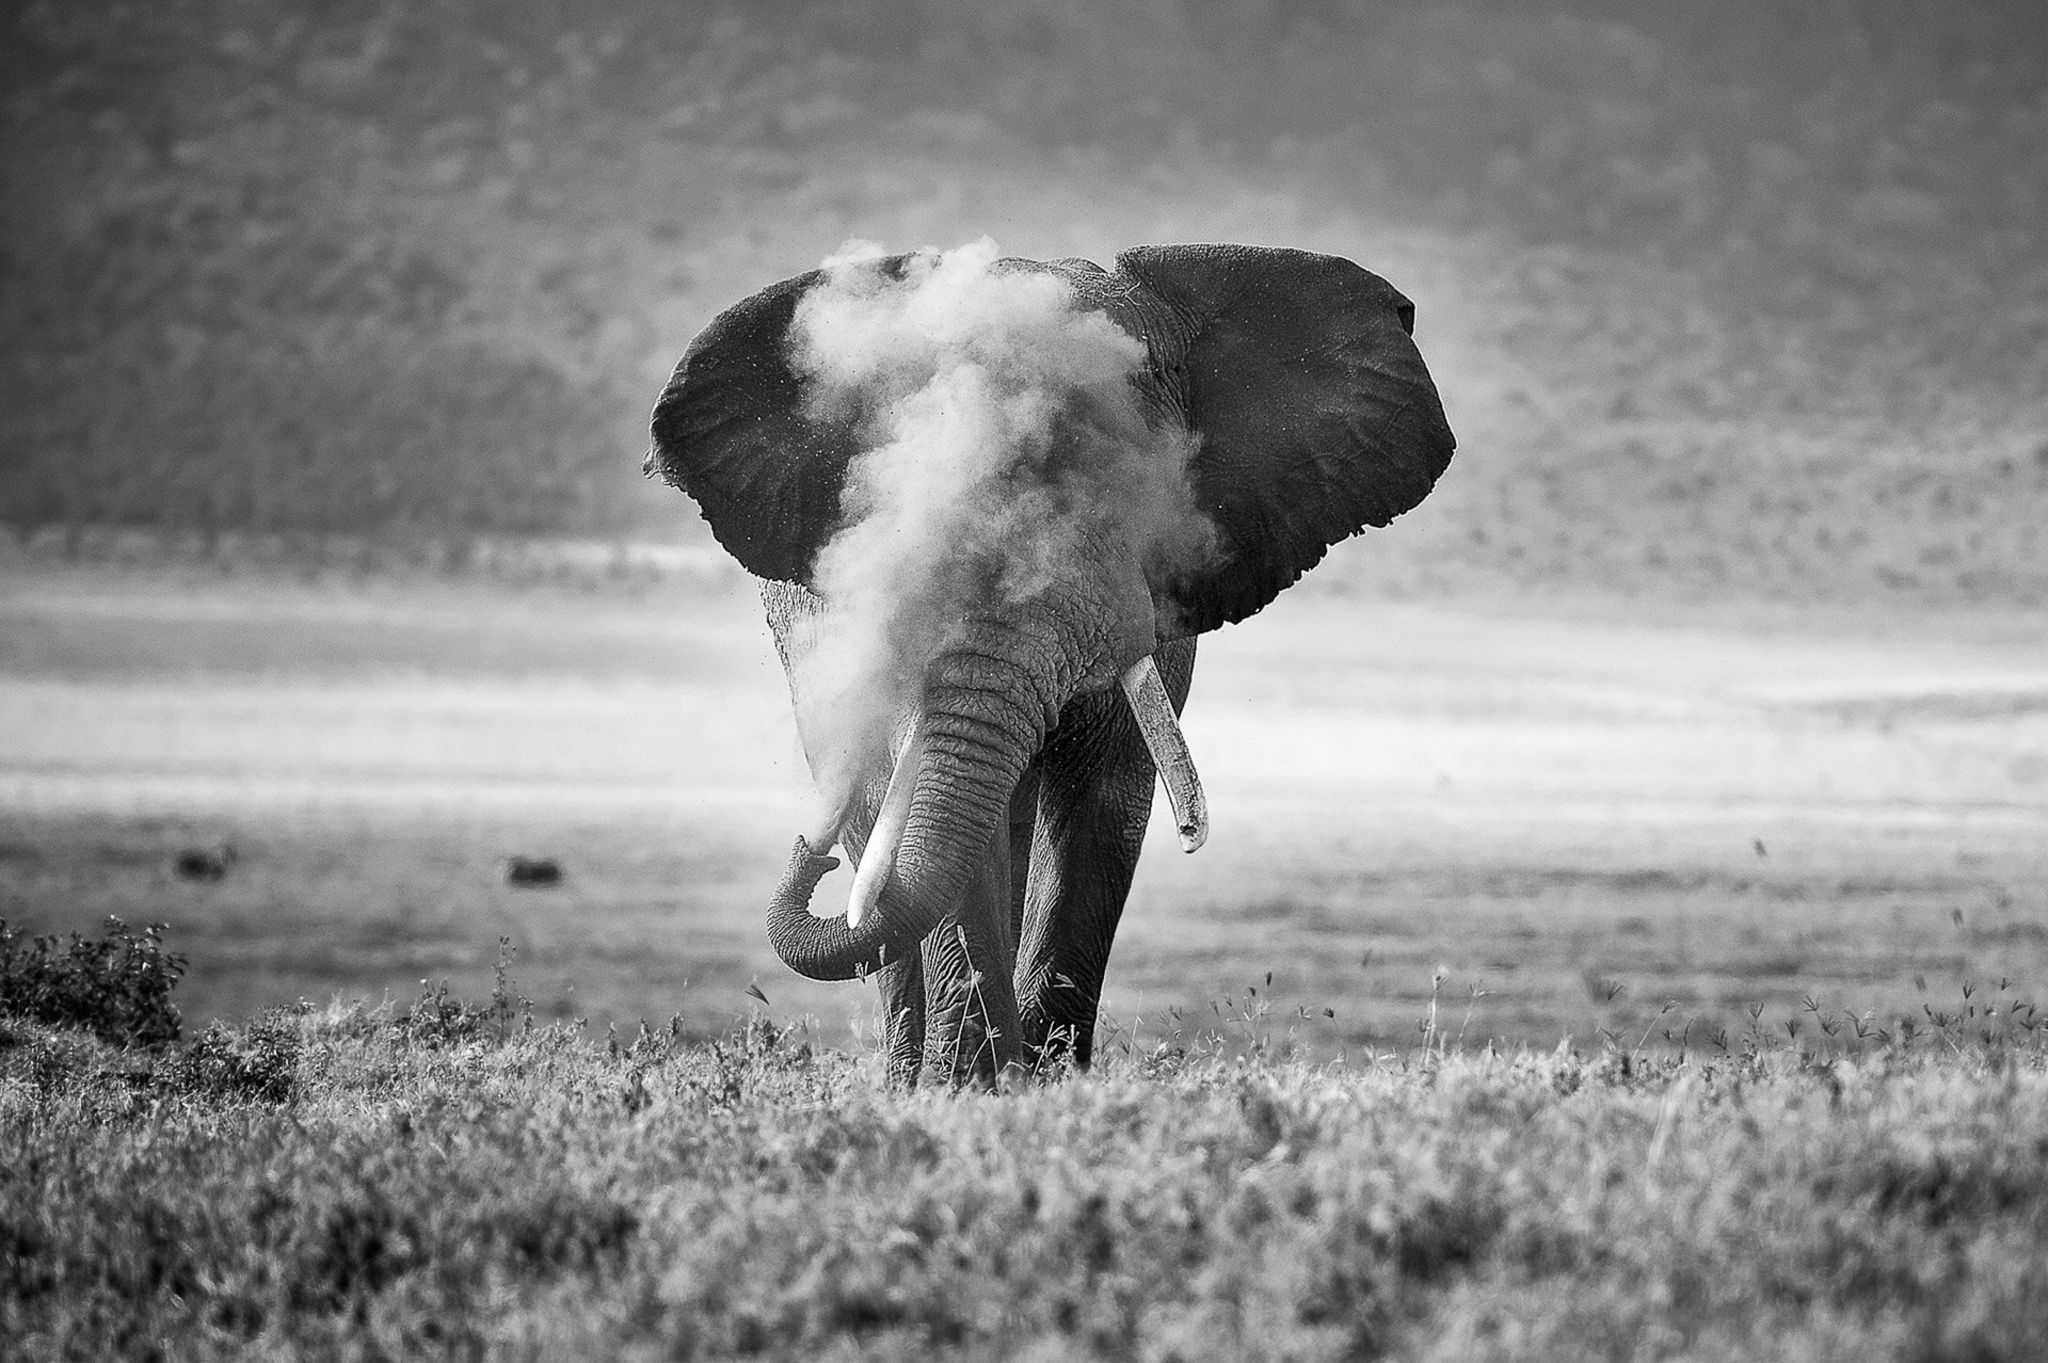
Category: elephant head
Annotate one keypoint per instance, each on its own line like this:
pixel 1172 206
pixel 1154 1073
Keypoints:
pixel 1210 421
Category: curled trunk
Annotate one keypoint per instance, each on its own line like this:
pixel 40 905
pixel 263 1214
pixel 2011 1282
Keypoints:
pixel 982 722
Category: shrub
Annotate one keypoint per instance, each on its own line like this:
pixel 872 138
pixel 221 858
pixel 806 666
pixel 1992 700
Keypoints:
pixel 257 1065
pixel 116 986
pixel 436 1020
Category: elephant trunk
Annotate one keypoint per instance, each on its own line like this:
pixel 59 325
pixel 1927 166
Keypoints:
pixel 983 719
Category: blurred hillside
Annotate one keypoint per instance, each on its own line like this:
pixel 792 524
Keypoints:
pixel 1743 298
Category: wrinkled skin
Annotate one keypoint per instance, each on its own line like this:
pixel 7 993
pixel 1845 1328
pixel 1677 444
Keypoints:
pixel 1040 907
pixel 990 935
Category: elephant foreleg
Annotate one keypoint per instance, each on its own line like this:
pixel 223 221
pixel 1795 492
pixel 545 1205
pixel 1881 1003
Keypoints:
pixel 902 989
pixel 1094 798
pixel 1023 830
pixel 972 1034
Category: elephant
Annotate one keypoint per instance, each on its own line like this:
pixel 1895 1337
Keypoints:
pixel 995 813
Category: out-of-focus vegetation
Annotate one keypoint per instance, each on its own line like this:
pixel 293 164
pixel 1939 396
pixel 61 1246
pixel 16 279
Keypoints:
pixel 116 986
pixel 1767 282
pixel 445 1181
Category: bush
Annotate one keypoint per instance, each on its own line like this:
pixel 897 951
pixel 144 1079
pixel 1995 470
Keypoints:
pixel 259 1064
pixel 116 986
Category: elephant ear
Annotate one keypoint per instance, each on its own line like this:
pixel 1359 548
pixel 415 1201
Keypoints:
pixel 1315 414
pixel 732 430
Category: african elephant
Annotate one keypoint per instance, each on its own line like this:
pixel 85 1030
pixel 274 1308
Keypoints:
pixel 991 503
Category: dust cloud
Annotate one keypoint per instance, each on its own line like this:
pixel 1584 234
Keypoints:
pixel 1004 442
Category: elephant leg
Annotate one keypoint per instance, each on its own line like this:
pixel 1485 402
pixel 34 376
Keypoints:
pixel 971 1033
pixel 1094 798
pixel 1023 831
pixel 902 989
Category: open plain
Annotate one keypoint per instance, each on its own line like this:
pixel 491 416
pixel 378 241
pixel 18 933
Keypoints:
pixel 1529 820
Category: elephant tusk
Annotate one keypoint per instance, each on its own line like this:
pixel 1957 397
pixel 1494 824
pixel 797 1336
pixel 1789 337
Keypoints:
pixel 1154 713
pixel 879 856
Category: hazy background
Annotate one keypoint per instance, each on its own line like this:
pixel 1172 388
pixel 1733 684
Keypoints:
pixel 1714 672
pixel 1737 296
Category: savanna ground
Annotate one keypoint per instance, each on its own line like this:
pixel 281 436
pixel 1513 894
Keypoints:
pixel 1698 722
pixel 1565 983
pixel 1544 824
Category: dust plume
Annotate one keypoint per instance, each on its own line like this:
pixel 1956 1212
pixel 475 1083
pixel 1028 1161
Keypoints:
pixel 1002 435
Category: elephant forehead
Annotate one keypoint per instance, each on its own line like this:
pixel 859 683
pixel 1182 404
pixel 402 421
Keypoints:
pixel 1135 309
pixel 1117 296
pixel 1139 313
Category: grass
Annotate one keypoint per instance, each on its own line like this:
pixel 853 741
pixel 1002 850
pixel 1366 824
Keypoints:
pixel 455 1180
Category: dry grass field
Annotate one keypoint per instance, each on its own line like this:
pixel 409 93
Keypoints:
pixel 1535 819
pixel 447 1181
